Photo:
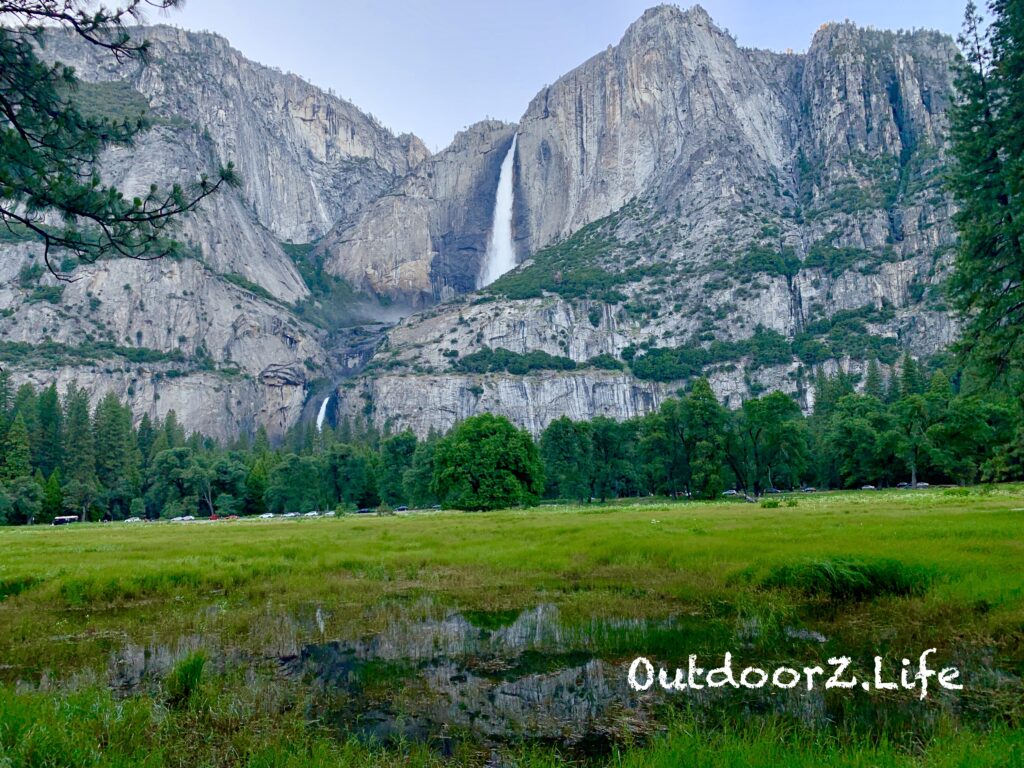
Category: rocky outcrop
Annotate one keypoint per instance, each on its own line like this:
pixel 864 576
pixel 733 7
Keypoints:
pixel 673 191
pixel 167 335
pixel 212 336
pixel 734 192
pixel 677 109
pixel 426 239
pixel 307 158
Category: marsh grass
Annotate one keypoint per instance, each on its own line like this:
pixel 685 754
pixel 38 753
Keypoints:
pixel 842 579
pixel 182 684
pixel 899 572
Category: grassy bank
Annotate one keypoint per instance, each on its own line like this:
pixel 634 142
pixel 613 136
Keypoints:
pixel 887 572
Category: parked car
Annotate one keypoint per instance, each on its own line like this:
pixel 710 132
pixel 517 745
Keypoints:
pixel 902 485
pixel 134 520
pixel 808 489
pixel 401 508
pixel 364 511
pixel 922 485
pixel 290 514
pixel 328 514
pixel 731 492
pixel 772 490
pixel 436 506
pixel 312 514
pixel 868 488
pixel 187 519
pixel 65 520
pixel 266 515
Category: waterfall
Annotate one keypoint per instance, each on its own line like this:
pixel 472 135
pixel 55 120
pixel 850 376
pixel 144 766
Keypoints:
pixel 322 415
pixel 501 253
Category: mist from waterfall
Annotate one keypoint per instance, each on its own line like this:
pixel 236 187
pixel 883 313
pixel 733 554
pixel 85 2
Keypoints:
pixel 501 253
pixel 322 415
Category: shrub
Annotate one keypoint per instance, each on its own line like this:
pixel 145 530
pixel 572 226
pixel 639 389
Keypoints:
pixel 183 681
pixel 770 503
pixel 605 362
pixel 15 586
pixel 840 579
pixel 487 360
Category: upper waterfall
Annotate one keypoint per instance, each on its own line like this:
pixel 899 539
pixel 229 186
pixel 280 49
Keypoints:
pixel 501 252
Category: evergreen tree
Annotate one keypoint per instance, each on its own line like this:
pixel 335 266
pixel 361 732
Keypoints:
pixel 49 150
pixel 396 455
pixel 911 378
pixel 419 477
pixel 705 442
pixel 6 396
pixel 144 439
pixel 261 443
pixel 24 405
pixel 16 458
pixel 48 438
pixel 79 453
pixel 53 498
pixel 116 455
pixel 174 435
pixel 873 385
pixel 255 488
pixel 988 280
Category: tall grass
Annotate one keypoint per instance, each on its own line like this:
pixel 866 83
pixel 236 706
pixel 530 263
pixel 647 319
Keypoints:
pixel 841 579
pixel 903 571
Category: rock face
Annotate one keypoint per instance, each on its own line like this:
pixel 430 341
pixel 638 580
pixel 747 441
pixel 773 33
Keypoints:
pixel 214 336
pixel 307 158
pixel 426 239
pixel 166 335
pixel 672 192
pixel 678 189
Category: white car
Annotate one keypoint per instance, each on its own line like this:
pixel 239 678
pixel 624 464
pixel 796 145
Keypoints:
pixel 187 519
pixel 177 519
pixel 290 514
pixel 328 514
pixel 134 520
pixel 312 514
pixel 266 515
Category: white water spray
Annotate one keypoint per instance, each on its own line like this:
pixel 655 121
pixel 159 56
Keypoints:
pixel 501 253
pixel 322 415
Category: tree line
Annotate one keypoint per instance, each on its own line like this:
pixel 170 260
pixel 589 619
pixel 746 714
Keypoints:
pixel 60 456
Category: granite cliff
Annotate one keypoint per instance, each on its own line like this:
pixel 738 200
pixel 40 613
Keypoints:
pixel 693 206
pixel 683 205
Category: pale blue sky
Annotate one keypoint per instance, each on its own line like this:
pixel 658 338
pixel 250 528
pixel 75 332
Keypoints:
pixel 434 67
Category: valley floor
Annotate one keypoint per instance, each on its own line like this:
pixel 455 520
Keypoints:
pixel 505 638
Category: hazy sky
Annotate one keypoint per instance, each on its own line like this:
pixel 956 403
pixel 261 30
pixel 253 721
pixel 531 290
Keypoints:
pixel 433 67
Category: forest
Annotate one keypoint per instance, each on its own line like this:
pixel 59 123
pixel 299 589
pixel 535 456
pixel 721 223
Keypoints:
pixel 62 457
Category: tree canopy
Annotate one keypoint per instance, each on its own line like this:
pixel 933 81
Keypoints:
pixel 50 184
pixel 987 179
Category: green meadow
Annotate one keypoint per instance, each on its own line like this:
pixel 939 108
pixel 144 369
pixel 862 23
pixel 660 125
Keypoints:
pixel 232 604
